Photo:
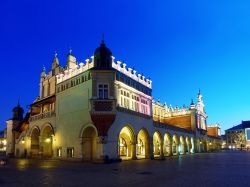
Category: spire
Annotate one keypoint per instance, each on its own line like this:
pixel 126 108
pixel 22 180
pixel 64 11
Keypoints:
pixel 70 51
pixel 44 69
pixel 103 39
pixel 18 102
pixel 199 93
pixel 55 62
pixel 200 104
pixel 199 96
pixel 43 73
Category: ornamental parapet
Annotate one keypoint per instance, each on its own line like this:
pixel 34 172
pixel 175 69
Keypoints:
pixel 163 111
pixel 69 73
pixel 42 116
pixel 130 72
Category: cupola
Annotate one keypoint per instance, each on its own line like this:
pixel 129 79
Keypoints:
pixel 18 112
pixel 103 57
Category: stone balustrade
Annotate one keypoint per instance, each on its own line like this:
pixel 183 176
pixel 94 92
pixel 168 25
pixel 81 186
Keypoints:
pixel 42 116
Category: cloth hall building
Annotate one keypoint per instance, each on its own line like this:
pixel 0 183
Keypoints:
pixel 102 110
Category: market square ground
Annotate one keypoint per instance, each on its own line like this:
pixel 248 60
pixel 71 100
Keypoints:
pixel 226 168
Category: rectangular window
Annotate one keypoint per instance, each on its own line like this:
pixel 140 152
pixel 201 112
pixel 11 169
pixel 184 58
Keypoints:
pixel 59 152
pixel 248 134
pixel 70 152
pixel 103 91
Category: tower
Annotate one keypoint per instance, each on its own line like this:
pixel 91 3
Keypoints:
pixel 200 105
pixel 71 60
pixel 17 117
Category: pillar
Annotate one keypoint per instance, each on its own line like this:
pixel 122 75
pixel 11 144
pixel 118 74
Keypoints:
pixel 161 151
pixel 134 150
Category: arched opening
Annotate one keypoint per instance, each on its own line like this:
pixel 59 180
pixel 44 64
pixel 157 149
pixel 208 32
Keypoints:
pixel 157 143
pixel 201 145
pixel 182 145
pixel 189 146
pixel 209 146
pixel 89 136
pixel 175 144
pixel 167 145
pixel 125 143
pixel 47 141
pixel 142 149
pixel 34 144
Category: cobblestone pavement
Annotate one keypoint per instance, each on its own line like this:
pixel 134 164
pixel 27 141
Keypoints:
pixel 229 168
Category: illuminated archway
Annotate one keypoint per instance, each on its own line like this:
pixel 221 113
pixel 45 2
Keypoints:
pixel 34 144
pixel 182 145
pixel 126 141
pixel 201 145
pixel 157 143
pixel 142 149
pixel 175 144
pixel 89 136
pixel 167 147
pixel 47 135
pixel 189 145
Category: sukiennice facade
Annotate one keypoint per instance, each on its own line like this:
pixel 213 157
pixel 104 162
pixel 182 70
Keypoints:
pixel 101 110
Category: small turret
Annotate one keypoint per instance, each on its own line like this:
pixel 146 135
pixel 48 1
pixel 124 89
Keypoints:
pixel 103 57
pixel 200 104
pixel 71 60
pixel 17 112
pixel 55 62
pixel 43 73
pixel 192 105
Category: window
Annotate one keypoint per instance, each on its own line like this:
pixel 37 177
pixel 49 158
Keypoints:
pixel 103 91
pixel 248 134
pixel 59 152
pixel 70 152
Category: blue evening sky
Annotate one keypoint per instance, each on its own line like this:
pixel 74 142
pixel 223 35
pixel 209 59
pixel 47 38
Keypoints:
pixel 181 45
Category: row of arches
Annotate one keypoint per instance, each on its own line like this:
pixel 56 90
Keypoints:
pixel 129 145
pixel 41 141
pixel 132 146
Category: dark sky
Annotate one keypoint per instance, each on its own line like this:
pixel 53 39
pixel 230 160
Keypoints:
pixel 181 45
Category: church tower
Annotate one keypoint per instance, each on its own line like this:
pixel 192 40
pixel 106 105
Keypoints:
pixel 17 117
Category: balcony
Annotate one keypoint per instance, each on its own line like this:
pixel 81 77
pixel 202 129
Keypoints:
pixel 103 106
pixel 42 116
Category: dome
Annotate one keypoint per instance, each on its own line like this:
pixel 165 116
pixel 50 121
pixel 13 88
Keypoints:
pixel 103 57
pixel 17 112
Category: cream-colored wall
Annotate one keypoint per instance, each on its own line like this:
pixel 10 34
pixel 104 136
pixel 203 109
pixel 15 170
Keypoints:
pixel 10 138
pixel 48 86
pixel 72 113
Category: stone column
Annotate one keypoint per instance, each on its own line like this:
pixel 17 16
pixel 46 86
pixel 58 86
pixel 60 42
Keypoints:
pixel 134 150
pixel 170 149
pixel 101 152
pixel 151 145
pixel 161 151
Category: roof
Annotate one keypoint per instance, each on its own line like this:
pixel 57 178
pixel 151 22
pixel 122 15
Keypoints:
pixel 243 125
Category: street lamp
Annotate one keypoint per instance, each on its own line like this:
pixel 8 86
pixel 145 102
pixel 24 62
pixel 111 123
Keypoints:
pixel 23 141
pixel 47 140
